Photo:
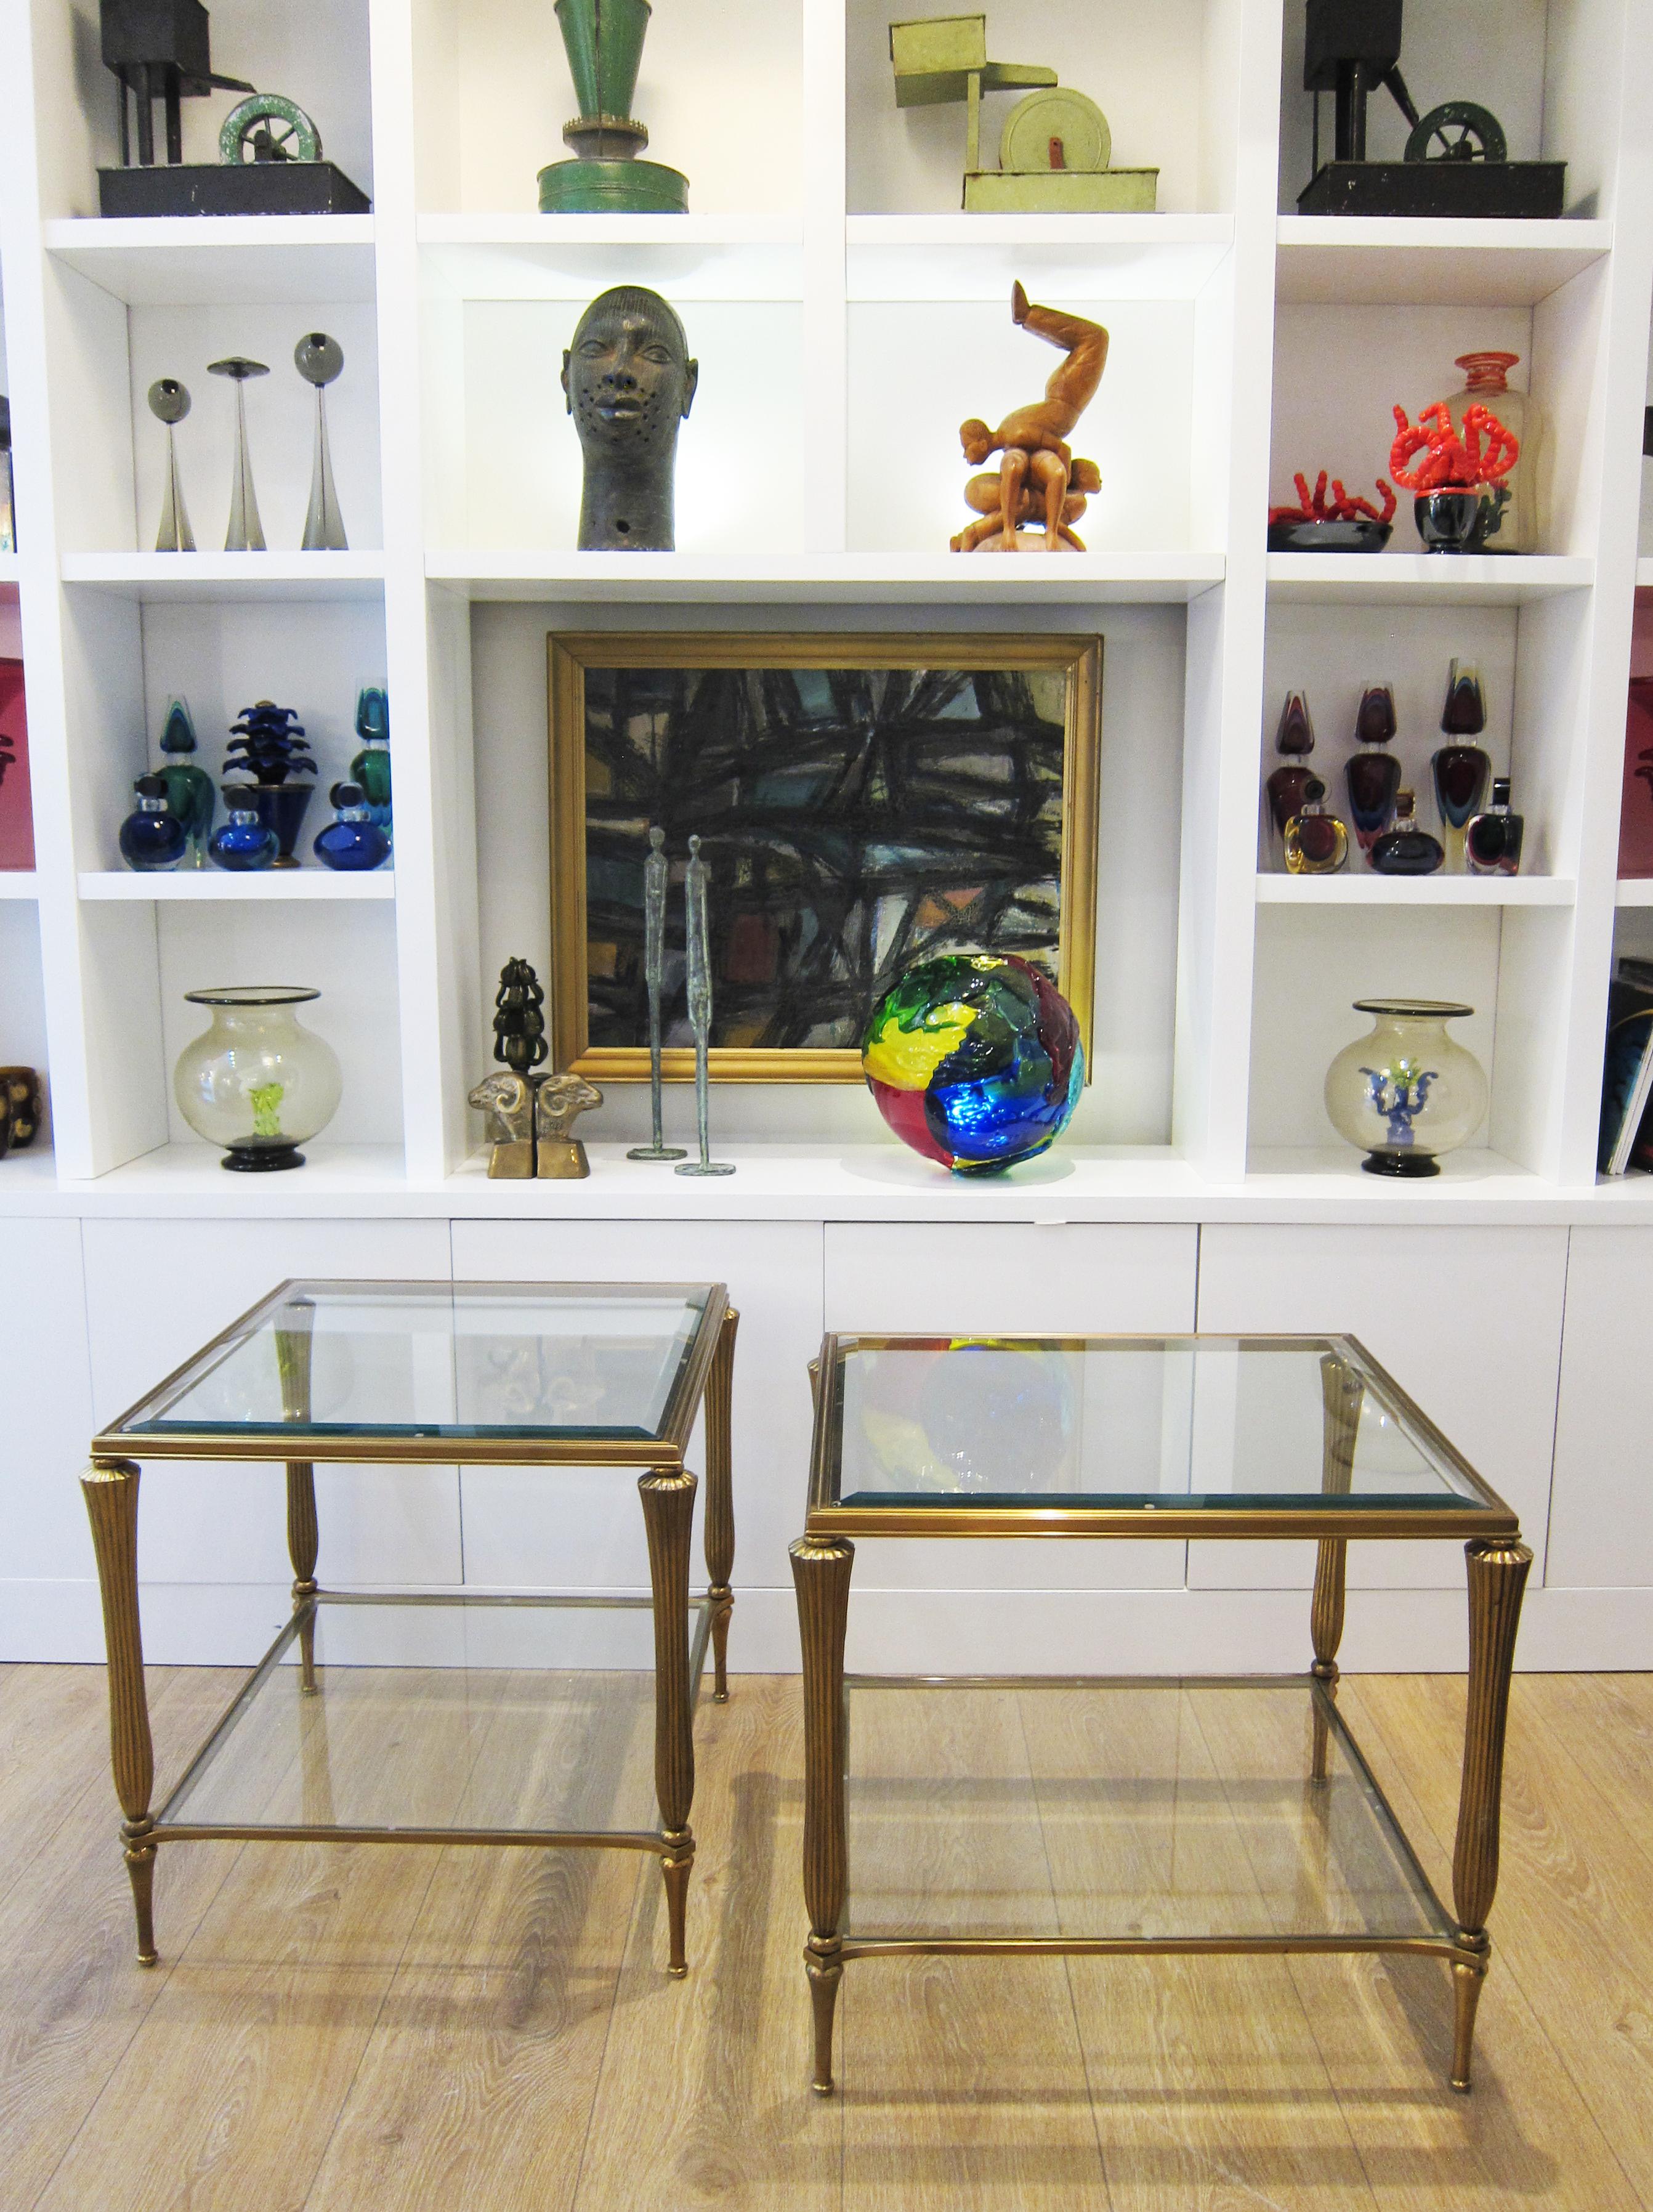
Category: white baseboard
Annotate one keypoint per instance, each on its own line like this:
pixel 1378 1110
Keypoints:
pixel 949 1631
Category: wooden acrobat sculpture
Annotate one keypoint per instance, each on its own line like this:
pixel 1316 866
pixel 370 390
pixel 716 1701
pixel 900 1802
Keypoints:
pixel 1038 478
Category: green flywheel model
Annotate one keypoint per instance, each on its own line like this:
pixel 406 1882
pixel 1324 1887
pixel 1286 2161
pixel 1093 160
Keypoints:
pixel 604 40
pixel 1055 147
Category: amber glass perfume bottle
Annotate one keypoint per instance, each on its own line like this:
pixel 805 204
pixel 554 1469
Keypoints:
pixel 1491 841
pixel 1373 773
pixel 1407 850
pixel 1462 769
pixel 1294 740
pixel 1316 844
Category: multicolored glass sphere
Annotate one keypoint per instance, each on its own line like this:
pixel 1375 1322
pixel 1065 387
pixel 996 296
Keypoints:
pixel 974 1061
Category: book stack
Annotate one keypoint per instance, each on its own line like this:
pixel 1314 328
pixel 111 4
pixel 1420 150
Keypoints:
pixel 1627 1078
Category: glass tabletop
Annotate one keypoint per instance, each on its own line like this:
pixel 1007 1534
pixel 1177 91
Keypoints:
pixel 1186 1423
pixel 580 1361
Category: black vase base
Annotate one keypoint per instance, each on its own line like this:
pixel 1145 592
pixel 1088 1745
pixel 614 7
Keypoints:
pixel 230 188
pixel 261 1159
pixel 1410 1166
pixel 1512 189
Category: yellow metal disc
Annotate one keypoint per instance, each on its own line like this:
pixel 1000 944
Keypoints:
pixel 1056 112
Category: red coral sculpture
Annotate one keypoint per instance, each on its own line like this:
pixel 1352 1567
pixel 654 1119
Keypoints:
pixel 1450 463
pixel 1315 506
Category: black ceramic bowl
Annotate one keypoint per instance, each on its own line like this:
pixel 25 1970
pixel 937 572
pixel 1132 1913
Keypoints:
pixel 1360 536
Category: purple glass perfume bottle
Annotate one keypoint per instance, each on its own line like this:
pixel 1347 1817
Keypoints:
pixel 1373 773
pixel 1406 850
pixel 1294 740
pixel 1462 768
pixel 1491 841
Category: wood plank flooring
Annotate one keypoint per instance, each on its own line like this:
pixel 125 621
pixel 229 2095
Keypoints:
pixel 352 2028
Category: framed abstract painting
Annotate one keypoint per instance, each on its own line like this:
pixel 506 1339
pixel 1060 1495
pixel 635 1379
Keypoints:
pixel 863 803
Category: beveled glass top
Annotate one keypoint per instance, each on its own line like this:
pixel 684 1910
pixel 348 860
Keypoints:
pixel 924 1427
pixel 592 1363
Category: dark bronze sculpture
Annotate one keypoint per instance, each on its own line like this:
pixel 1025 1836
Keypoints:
pixel 630 382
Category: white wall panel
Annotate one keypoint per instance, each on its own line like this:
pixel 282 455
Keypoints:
pixel 1602 1505
pixel 45 1403
pixel 1073 1279
pixel 1468 1323
pixel 156 1291
pixel 583 1527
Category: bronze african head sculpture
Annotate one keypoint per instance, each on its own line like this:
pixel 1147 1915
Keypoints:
pixel 629 383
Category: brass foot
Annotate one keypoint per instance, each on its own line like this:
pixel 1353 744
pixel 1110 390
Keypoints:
pixel 726 1606
pixel 1467 1978
pixel 824 1975
pixel 675 1871
pixel 140 1868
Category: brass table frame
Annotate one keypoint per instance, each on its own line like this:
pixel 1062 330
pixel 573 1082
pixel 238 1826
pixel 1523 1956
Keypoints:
pixel 1497 1564
pixel 666 1487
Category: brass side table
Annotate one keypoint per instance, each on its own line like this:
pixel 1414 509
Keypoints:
pixel 1246 1798
pixel 379 1717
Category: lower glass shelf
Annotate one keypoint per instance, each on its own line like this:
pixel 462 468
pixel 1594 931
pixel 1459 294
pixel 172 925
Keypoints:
pixel 459 1715
pixel 1123 1811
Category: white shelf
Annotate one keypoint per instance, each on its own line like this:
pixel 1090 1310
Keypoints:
pixel 8 571
pixel 18 884
pixel 1372 261
pixel 160 261
pixel 917 578
pixel 1367 889
pixel 1635 891
pixel 1644 575
pixel 278 575
pixel 1443 579
pixel 1082 257
pixel 206 885
pixel 544 256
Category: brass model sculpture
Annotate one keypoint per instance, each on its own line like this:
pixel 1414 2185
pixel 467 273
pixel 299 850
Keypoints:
pixel 559 1157
pixel 1037 478
pixel 508 1100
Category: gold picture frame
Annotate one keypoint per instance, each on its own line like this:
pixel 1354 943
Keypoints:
pixel 1076 658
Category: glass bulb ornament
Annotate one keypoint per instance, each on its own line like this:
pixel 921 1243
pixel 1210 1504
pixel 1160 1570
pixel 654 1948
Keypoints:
pixel 257 1082
pixel 1406 1092
pixel 352 840
pixel 1492 840
pixel 974 1061
pixel 1294 740
pixel 1404 849
pixel 1373 773
pixel 371 767
pixel 1461 768
pixel 244 844
pixel 1316 844
pixel 152 838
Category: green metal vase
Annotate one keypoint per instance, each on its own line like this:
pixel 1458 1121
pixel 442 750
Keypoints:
pixel 603 41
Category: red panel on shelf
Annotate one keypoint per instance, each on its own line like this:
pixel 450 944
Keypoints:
pixel 16 816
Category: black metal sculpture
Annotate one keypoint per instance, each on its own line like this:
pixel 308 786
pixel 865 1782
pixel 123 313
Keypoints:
pixel 629 383
pixel 1457 158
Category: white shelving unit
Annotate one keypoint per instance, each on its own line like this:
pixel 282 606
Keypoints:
pixel 846 316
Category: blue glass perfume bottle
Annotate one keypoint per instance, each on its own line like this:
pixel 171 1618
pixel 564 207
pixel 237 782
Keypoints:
pixel 189 790
pixel 371 767
pixel 352 840
pixel 152 837
pixel 243 842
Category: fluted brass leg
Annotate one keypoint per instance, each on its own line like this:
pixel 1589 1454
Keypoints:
pixel 1497 1579
pixel 1342 1394
pixel 110 1489
pixel 821 1568
pixel 668 1496
pixel 1467 1975
pixel 720 1501
pixel 303 1543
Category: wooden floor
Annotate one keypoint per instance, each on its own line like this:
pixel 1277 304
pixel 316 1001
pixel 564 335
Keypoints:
pixel 352 2028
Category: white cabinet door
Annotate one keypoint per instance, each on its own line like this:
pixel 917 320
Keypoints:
pixel 156 1291
pixel 967 1278
pixel 1602 1503
pixel 576 1529
pixel 47 1396
pixel 1468 1323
